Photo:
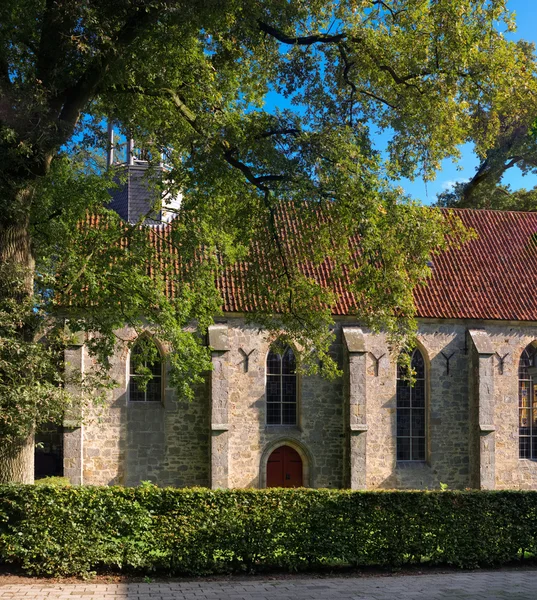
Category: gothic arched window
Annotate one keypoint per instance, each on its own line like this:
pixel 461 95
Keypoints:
pixel 527 405
pixel 411 418
pixel 281 390
pixel 145 372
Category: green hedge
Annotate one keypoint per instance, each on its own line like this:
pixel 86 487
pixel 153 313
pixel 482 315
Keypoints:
pixel 73 530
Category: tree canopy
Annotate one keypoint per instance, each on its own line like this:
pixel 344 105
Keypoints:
pixel 190 80
pixel 512 145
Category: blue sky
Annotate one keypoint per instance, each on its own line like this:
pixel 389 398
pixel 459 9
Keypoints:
pixel 526 18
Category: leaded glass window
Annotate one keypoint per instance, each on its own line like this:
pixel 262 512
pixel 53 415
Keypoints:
pixel 527 406
pixel 411 415
pixel 281 390
pixel 145 371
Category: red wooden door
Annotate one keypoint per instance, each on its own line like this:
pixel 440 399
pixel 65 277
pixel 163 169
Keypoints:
pixel 284 468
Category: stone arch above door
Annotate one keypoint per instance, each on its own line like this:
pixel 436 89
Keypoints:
pixel 307 463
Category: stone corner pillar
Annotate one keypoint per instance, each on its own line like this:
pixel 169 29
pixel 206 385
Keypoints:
pixel 73 440
pixel 356 415
pixel 219 345
pixel 482 427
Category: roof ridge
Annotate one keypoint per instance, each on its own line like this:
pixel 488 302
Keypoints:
pixel 485 210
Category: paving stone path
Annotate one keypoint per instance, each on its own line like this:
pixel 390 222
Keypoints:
pixel 482 585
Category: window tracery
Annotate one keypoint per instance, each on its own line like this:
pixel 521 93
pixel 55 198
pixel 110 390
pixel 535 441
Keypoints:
pixel 145 362
pixel 281 388
pixel 411 411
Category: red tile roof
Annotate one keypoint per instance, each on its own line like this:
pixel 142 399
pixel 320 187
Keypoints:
pixel 491 277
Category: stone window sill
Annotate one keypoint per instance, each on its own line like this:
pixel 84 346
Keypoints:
pixel 411 464
pixel 282 428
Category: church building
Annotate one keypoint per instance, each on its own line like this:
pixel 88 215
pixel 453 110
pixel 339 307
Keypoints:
pixel 470 420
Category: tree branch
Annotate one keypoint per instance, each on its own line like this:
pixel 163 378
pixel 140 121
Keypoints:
pixel 400 80
pixel 346 70
pixel 394 13
pixel 257 181
pixel 54 32
pixel 228 155
pixel 322 38
pixel 228 152
pixel 498 161
pixel 77 97
pixel 378 98
pixel 285 131
pixel 187 114
pixel 5 82
pixel 316 38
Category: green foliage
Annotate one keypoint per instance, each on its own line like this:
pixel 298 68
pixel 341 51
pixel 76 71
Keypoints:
pixel 73 530
pixel 489 195
pixel 54 481
pixel 190 80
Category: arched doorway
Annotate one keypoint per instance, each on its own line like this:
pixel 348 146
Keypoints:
pixel 284 468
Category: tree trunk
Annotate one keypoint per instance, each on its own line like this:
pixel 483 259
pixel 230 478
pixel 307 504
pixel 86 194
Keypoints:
pixel 16 259
pixel 17 267
pixel 17 461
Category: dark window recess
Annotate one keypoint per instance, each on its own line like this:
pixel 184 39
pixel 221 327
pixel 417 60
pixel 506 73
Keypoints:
pixel 411 412
pixel 281 390
pixel 48 459
pixel 527 406
pixel 153 389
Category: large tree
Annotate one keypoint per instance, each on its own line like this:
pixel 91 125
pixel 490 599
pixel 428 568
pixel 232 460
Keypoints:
pixel 513 144
pixel 190 79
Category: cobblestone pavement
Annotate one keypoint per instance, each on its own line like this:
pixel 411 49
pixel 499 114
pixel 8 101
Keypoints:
pixel 482 585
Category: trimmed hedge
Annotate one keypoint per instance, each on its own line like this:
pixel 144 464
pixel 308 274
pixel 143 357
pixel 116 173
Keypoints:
pixel 73 530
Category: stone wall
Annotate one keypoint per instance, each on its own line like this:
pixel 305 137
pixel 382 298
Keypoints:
pixel 447 413
pixel 125 443
pixel 509 342
pixel 451 426
pixel 344 442
pixel 318 436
